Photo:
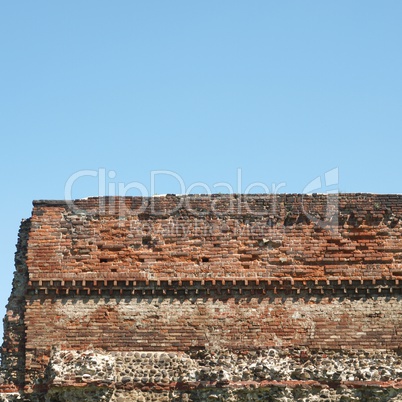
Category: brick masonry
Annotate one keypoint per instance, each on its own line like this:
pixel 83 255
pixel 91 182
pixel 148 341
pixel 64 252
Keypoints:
pixel 257 297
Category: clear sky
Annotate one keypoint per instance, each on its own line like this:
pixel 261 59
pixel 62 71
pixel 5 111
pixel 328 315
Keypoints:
pixel 280 91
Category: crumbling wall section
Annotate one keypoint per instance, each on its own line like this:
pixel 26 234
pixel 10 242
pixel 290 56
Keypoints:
pixel 266 375
pixel 13 348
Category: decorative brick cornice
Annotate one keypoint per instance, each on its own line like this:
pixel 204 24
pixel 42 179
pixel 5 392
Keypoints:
pixel 216 286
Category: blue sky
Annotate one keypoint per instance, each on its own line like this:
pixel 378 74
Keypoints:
pixel 283 90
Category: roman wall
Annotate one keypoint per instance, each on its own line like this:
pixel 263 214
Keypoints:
pixel 197 298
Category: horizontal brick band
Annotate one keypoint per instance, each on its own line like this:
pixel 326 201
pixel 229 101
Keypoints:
pixel 216 287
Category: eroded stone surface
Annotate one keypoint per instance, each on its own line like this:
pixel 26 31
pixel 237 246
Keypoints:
pixel 284 374
pixel 142 368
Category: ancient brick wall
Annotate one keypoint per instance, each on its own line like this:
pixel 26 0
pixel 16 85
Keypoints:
pixel 284 294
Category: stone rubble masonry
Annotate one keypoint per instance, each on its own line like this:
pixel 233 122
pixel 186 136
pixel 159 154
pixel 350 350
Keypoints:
pixel 200 298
